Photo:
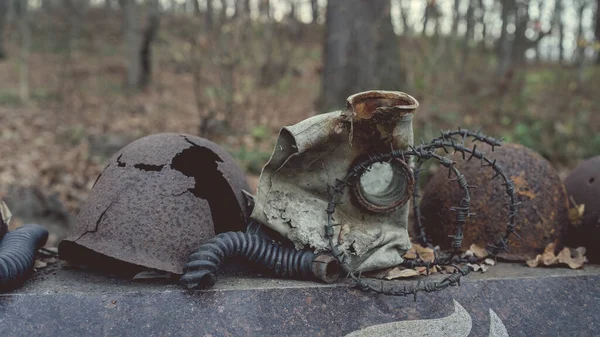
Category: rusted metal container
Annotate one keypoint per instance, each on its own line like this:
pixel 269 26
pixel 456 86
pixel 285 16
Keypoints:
pixel 583 184
pixel 542 217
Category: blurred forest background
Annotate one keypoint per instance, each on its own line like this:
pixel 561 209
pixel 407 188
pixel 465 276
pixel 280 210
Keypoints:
pixel 81 78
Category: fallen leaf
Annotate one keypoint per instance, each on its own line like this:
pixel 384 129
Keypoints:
pixel 423 270
pixel 478 251
pixel 53 250
pixel 51 260
pixel 40 264
pixel 5 212
pixel 425 253
pixel 411 254
pixel 574 258
pixel 576 214
pixel 478 267
pixel 398 273
pixel 490 261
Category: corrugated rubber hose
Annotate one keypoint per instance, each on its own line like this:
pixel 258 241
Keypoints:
pixel 200 272
pixel 17 254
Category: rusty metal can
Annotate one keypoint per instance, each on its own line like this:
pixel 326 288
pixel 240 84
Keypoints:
pixel 542 217
pixel 583 185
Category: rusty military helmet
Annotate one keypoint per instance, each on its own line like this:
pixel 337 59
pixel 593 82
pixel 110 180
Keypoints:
pixel 583 184
pixel 156 201
pixel 542 216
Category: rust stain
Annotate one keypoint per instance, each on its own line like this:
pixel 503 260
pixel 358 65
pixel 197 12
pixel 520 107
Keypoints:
pixel 522 186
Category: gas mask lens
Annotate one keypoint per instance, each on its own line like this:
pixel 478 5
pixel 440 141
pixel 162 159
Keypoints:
pixel 385 186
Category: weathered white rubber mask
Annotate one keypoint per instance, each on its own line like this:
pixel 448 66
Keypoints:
pixel 296 184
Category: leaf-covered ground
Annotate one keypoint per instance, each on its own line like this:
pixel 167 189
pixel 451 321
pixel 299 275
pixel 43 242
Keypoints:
pixel 80 111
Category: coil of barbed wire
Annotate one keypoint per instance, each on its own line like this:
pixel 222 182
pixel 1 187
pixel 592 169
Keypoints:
pixel 423 152
pixel 446 141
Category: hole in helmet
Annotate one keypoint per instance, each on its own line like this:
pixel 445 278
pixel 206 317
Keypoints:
pixel 202 164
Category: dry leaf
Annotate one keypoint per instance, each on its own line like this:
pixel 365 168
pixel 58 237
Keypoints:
pixel 426 254
pixel 423 270
pixel 53 250
pixel 490 261
pixel 397 273
pixel 51 260
pixel 574 258
pixel 39 264
pixel 576 214
pixel 473 266
pixel 418 251
pixel 478 267
pixel 411 254
pixel 478 251
pixel 5 212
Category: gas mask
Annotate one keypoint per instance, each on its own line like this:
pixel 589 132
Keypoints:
pixel 296 184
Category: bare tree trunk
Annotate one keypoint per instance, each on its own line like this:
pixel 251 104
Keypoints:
pixel 405 13
pixel 503 33
pixel 242 9
pixel 132 43
pixel 470 18
pixel 25 35
pixel 196 4
pixel 520 40
pixel 146 48
pixel 46 5
pixel 223 14
pixel 581 44
pixel 391 74
pixel 597 29
pixel 77 10
pixel 580 37
pixel 455 17
pixel 361 51
pixel 469 35
pixel 247 8
pixel 209 16
pixel 504 48
pixel 292 13
pixel 264 7
pixel 314 6
pixel 426 16
pixel 482 14
pixel 558 12
pixel 538 51
pixel 3 19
